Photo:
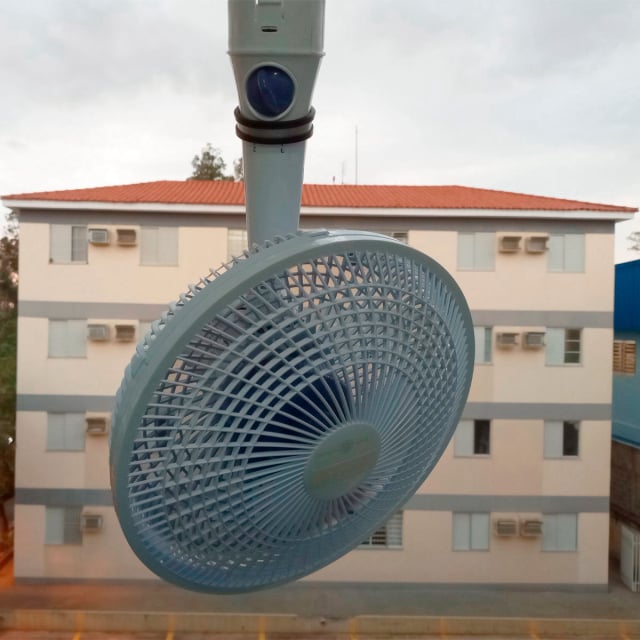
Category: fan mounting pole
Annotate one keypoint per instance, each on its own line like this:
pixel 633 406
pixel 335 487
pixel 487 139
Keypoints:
pixel 275 48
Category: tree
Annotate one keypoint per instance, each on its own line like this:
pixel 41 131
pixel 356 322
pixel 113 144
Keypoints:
pixel 634 239
pixel 8 347
pixel 209 165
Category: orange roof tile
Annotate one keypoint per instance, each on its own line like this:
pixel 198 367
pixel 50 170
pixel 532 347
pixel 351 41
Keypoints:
pixel 209 192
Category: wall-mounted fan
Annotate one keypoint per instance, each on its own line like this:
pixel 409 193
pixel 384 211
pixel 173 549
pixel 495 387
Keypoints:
pixel 283 408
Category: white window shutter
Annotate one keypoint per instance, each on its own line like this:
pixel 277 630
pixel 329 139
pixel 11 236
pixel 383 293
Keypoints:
pixel 461 531
pixel 567 531
pixel 54 525
pixel 480 531
pixel 555 253
pixel 466 250
pixel 553 431
pixel 149 245
pixel 485 251
pixel 60 243
pixel 554 346
pixel 463 440
pixel 167 246
pixel 574 252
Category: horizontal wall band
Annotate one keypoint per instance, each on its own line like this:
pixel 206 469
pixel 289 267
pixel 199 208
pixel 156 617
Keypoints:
pixel 420 502
pixel 87 310
pixel 536 411
pixel 473 410
pixel 519 504
pixel 559 319
pixel 159 214
pixel 60 310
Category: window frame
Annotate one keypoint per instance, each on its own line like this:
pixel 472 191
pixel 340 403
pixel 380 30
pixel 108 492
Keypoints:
pixel 75 245
pixel 63 526
pixel 470 520
pixel 625 361
pixel 474 262
pixel 67 423
pixel 465 441
pixel 389 535
pixel 486 344
pixel 551 534
pixel 555 433
pixel 565 244
pixel 552 340
pixel 145 249
pixel 57 345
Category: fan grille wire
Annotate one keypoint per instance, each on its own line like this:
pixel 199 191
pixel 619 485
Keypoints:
pixel 215 466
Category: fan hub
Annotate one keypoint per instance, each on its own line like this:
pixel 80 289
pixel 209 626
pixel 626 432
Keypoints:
pixel 341 461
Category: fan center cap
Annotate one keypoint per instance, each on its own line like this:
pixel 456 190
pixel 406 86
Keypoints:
pixel 341 461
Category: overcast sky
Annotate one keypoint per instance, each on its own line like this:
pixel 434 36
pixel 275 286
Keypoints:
pixel 534 96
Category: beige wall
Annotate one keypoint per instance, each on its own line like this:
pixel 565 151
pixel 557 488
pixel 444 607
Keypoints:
pixel 515 467
pixel 427 556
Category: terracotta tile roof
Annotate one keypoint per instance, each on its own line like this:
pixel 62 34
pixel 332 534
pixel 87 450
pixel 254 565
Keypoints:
pixel 207 192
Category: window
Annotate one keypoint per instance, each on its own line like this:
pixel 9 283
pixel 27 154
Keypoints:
pixel 470 531
pixel 624 356
pixel 62 525
pixel 563 346
pixel 237 242
pixel 388 536
pixel 159 246
pixel 560 532
pixel 561 439
pixel 67 338
pixel 68 244
pixel 65 431
pixel 483 344
pixel 476 251
pixel 566 252
pixel 473 438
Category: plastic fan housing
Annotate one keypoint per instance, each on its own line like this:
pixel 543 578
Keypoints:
pixel 285 407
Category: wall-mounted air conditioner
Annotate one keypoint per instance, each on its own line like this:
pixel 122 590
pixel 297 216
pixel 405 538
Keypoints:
pixel 506 339
pixel 536 244
pixel 533 340
pixel 505 527
pixel 98 332
pixel 530 528
pixel 98 236
pixel 508 243
pixel 91 522
pixel 127 237
pixel 97 424
pixel 125 332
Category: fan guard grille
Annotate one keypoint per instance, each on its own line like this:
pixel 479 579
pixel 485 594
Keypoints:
pixel 297 401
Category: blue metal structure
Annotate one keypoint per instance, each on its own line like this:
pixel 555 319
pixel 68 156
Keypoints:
pixel 626 322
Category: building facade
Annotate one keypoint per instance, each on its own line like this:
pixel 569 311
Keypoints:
pixel 520 496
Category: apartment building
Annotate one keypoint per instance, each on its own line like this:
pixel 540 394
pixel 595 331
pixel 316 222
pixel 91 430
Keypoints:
pixel 520 496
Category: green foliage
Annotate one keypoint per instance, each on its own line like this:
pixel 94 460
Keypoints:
pixel 8 348
pixel 209 165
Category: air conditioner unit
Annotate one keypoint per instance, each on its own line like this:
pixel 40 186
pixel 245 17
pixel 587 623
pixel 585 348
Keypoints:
pixel 98 332
pixel 530 528
pixel 98 236
pixel 536 244
pixel 127 237
pixel 506 339
pixel 125 332
pixel 505 527
pixel 91 522
pixel 509 243
pixel 97 425
pixel 533 340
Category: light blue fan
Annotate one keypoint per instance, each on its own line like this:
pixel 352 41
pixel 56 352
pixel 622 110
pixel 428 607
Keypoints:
pixel 284 408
